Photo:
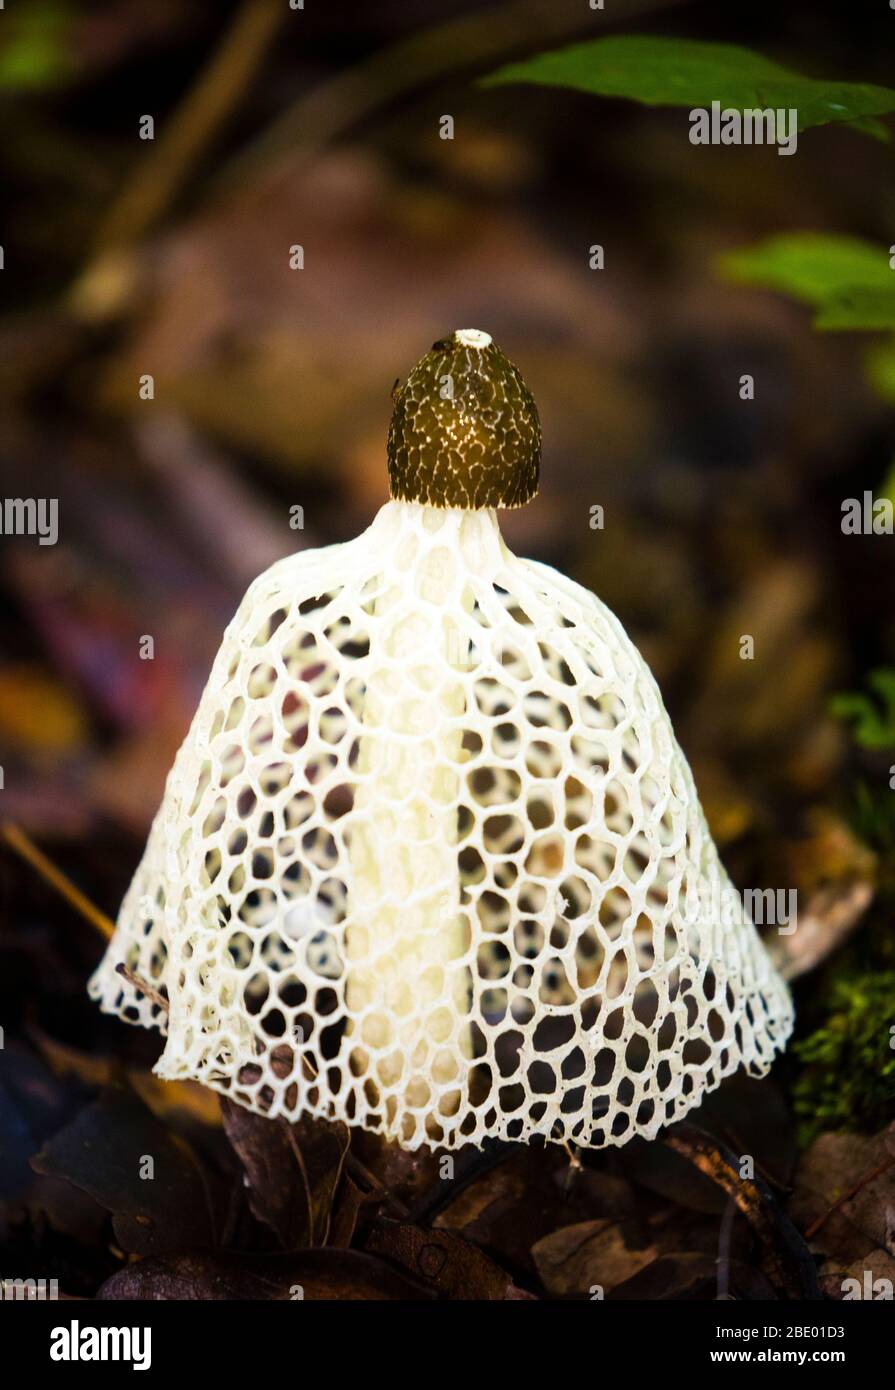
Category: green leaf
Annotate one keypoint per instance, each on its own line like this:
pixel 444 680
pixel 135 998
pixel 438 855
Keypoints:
pixel 686 72
pixel 33 51
pixel 879 365
pixel 812 266
pixel 873 721
pixel 858 308
pixel 887 489
pixel 869 125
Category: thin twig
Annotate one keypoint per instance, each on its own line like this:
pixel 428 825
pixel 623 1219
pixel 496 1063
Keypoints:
pixel 167 164
pixel 575 1166
pixel 300 1161
pixel 353 1164
pixel 359 1170
pixel 724 1236
pixel 574 1160
pixel 25 848
pixel 164 168
pixel 141 985
pixel 847 1196
pixel 460 44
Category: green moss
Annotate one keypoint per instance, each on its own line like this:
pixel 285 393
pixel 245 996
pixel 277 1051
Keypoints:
pixel 848 1077
pixel 872 717
pixel 872 816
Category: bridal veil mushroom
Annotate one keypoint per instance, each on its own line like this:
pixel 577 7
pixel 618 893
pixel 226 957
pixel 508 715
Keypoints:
pixel 426 859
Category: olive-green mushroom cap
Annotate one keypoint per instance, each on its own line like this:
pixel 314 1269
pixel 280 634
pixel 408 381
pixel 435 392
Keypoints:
pixel 465 430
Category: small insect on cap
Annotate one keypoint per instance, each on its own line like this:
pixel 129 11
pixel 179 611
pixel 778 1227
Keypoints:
pixel 465 431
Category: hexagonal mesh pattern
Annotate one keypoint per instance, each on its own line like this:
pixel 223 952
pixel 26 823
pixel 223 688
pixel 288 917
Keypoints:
pixel 423 859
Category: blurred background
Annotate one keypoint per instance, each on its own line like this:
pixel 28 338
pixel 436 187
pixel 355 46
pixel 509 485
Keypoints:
pixel 320 128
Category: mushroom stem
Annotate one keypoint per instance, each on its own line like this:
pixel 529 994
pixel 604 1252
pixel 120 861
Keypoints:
pixel 407 984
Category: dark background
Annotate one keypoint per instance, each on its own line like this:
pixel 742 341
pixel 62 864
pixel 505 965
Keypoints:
pixel 722 517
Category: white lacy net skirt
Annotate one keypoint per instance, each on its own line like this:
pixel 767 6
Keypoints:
pixel 428 858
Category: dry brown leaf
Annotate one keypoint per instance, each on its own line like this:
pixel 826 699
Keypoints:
pixel 292 1171
pixel 454 1266
pixel 575 1260
pixel 307 1275
pixel 833 1166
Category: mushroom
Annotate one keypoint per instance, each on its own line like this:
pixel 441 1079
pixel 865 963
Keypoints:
pixel 426 861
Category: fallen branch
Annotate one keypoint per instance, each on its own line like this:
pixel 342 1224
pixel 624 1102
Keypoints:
pixel 786 1259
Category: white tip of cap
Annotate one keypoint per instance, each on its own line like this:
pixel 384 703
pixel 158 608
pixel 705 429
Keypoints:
pixel 472 337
